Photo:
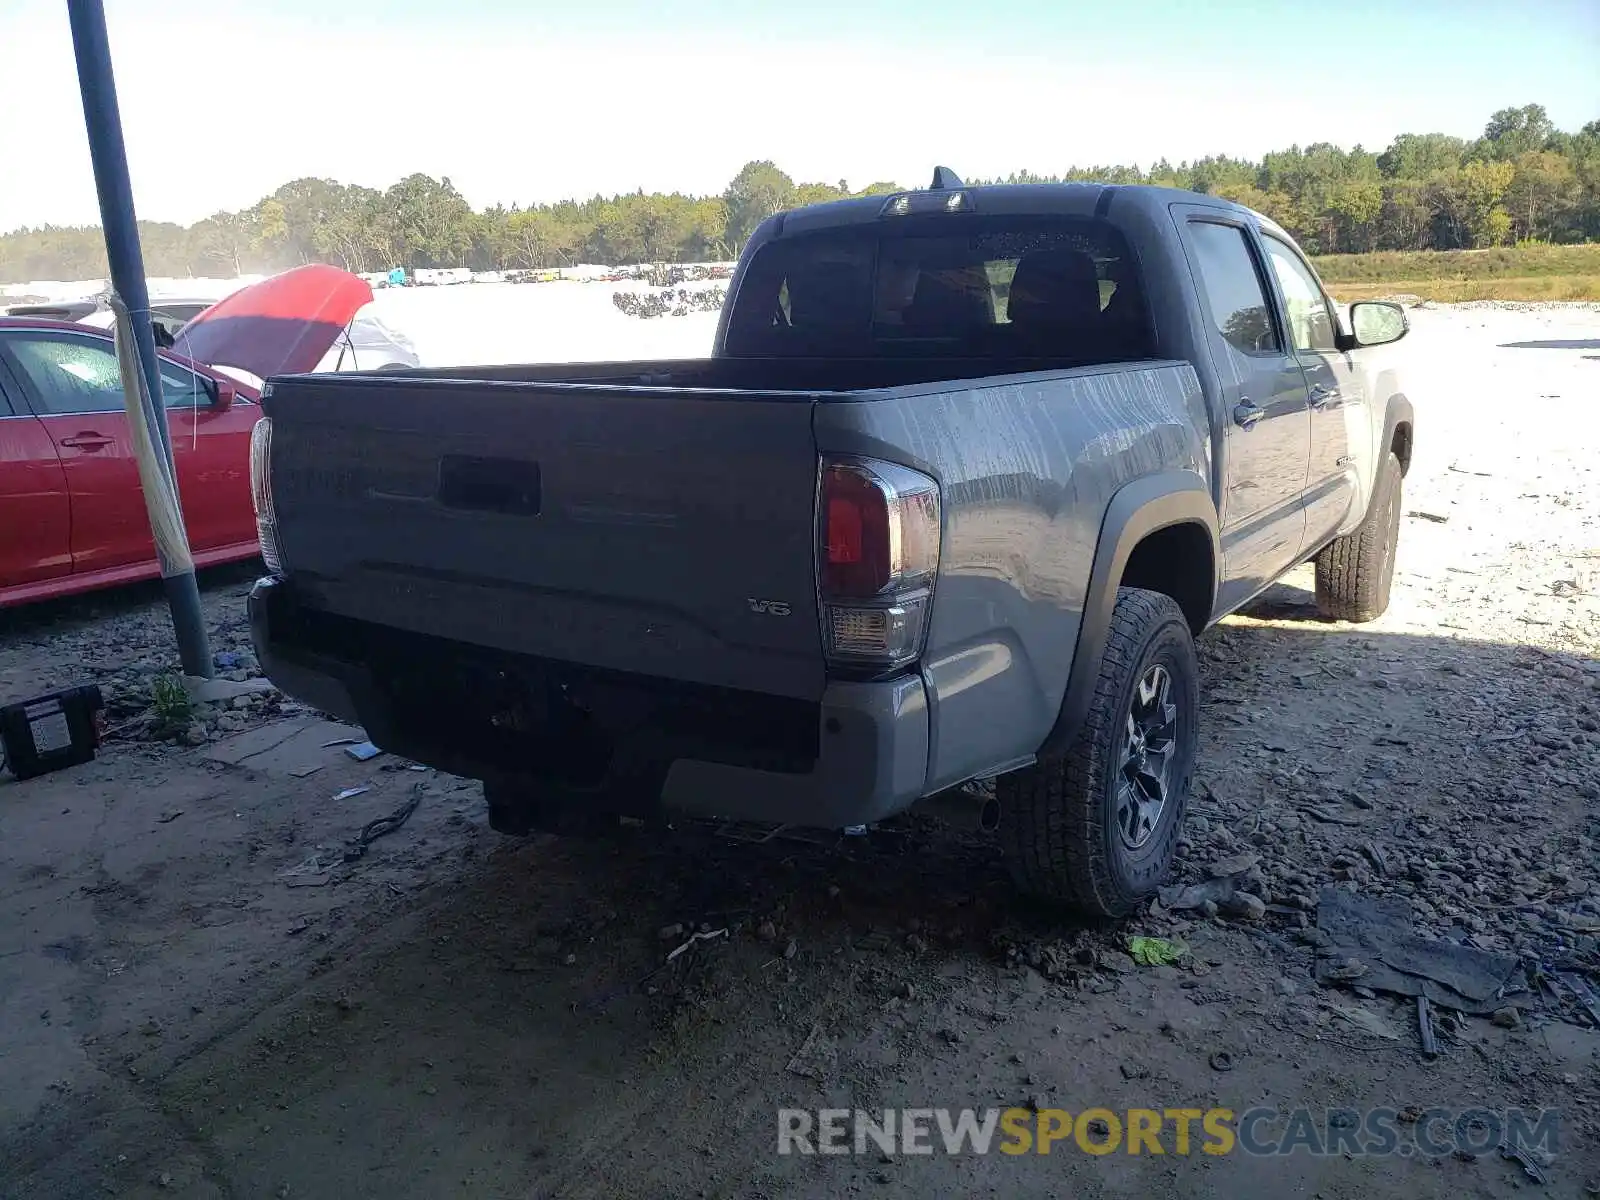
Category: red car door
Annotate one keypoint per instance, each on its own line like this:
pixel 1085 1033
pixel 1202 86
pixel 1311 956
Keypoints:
pixel 34 510
pixel 211 447
pixel 75 389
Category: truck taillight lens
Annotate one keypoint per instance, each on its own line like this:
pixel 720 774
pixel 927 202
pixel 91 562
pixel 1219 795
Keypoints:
pixel 877 556
pixel 261 494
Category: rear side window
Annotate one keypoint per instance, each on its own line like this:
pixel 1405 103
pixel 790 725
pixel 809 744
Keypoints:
pixel 1232 286
pixel 945 286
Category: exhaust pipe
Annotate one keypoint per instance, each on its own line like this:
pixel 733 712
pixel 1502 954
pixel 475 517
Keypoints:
pixel 971 806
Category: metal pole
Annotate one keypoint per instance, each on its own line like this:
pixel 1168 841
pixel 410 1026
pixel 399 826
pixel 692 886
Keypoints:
pixel 92 49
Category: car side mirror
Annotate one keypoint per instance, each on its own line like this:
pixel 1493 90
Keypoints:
pixel 1376 323
pixel 223 395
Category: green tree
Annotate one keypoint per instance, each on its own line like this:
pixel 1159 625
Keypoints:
pixel 1542 192
pixel 1469 204
pixel 1522 179
pixel 757 191
pixel 1513 132
pixel 818 193
pixel 226 241
pixel 1419 155
pixel 432 223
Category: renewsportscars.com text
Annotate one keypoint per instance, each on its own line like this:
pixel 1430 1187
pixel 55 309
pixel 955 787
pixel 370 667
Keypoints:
pixel 1432 1133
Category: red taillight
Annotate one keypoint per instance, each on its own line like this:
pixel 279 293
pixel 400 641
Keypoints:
pixel 877 555
pixel 856 560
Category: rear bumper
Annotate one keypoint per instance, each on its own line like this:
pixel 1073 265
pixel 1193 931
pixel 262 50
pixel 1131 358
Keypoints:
pixel 859 755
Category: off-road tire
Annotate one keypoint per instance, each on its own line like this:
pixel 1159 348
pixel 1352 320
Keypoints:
pixel 1354 572
pixel 1058 817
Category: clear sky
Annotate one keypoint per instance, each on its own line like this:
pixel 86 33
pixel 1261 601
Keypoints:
pixel 527 100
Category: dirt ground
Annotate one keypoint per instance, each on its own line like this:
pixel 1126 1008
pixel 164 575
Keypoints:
pixel 200 997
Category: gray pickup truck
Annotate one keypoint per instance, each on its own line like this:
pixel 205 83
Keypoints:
pixel 968 470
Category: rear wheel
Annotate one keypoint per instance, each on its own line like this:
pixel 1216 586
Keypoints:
pixel 1354 572
pixel 1098 826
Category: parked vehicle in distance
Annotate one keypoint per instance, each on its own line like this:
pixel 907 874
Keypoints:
pixel 168 315
pixel 70 499
pixel 368 343
pixel 968 472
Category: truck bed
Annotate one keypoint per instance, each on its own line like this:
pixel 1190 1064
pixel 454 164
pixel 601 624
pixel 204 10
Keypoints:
pixel 650 517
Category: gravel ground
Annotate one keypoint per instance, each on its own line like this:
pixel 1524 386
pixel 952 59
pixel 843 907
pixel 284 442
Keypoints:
pixel 200 997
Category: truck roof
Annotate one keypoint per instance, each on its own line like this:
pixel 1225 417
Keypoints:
pixel 1085 199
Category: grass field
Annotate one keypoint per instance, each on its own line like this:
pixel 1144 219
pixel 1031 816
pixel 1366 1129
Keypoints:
pixel 1448 291
pixel 1506 273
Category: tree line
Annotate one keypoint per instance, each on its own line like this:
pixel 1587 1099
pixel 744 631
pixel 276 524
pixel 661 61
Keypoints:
pixel 1523 180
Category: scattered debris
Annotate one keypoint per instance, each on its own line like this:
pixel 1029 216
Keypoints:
pixel 1430 1044
pixel 1507 1018
pixel 1244 906
pixel 1436 518
pixel 816 1053
pixel 1364 1019
pixel 350 792
pixel 1375 856
pixel 169 815
pixel 1522 1158
pixel 1196 895
pixel 1582 993
pixel 1379 937
pixel 363 751
pixel 702 936
pixel 1155 952
pixel 383 826
pixel 1236 864
pixel 1332 816
pixel 1221 1060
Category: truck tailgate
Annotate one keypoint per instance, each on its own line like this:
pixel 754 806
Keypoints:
pixel 661 532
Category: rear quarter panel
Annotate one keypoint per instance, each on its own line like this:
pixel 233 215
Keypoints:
pixel 1027 469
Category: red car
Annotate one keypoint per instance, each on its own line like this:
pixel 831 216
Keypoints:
pixel 72 514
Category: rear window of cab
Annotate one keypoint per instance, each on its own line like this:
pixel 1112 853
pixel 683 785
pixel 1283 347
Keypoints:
pixel 962 285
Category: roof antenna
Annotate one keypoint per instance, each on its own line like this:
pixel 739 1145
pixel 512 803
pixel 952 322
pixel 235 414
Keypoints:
pixel 944 179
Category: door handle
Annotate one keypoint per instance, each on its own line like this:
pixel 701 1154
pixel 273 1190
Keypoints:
pixel 1246 414
pixel 1322 397
pixel 87 441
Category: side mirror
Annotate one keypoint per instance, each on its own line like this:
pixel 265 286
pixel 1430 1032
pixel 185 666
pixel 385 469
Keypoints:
pixel 1376 323
pixel 223 394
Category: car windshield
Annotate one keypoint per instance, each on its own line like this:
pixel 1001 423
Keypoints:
pixel 946 286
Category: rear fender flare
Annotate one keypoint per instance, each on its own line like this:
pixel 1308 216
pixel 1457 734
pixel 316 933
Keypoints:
pixel 1138 509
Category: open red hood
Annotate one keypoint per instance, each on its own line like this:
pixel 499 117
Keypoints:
pixel 278 326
